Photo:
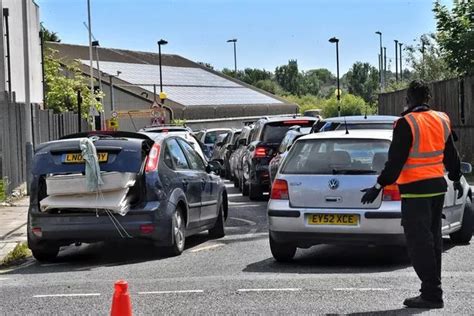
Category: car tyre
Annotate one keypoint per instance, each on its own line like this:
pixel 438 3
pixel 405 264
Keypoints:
pixel 218 230
pixel 244 187
pixel 282 252
pixel 255 192
pixel 45 253
pixel 178 229
pixel 464 235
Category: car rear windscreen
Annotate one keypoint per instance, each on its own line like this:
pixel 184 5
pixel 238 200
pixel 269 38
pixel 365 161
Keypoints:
pixel 337 156
pixel 331 126
pixel 275 131
pixel 211 137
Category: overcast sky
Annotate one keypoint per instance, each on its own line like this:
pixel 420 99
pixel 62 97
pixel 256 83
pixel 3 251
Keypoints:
pixel 269 32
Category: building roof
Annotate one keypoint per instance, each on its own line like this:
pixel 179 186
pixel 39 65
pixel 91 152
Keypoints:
pixel 192 89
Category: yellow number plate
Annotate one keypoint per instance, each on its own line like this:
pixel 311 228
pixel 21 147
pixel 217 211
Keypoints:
pixel 77 158
pixel 333 219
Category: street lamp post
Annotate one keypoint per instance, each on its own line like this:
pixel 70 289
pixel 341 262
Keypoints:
pixel 396 60
pixel 234 40
pixel 381 71
pixel 401 61
pixel 338 92
pixel 96 45
pixel 161 42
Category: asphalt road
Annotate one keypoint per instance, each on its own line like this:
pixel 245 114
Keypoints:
pixel 233 275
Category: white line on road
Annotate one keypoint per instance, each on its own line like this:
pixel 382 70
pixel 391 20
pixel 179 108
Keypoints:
pixel 362 289
pixel 270 290
pixel 67 295
pixel 251 223
pixel 172 292
pixel 4 279
pixel 207 247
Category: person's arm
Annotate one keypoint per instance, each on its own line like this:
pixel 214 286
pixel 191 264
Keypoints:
pixel 397 153
pixel 451 160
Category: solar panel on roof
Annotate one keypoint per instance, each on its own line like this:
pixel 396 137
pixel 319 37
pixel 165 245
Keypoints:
pixel 188 86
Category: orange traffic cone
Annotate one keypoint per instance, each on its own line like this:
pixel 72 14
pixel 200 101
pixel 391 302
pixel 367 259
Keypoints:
pixel 121 305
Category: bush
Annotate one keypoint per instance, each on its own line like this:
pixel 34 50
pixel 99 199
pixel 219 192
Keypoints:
pixel 350 105
pixel 306 102
pixel 17 255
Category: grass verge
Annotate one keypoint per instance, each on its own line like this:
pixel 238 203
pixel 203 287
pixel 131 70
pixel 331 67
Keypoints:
pixel 18 255
pixel 2 191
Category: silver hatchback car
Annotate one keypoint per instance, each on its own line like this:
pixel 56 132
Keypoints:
pixel 315 197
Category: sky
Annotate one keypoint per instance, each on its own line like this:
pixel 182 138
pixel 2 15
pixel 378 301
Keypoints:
pixel 269 32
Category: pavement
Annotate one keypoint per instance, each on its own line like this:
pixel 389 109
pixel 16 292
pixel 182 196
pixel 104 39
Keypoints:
pixel 13 219
pixel 233 275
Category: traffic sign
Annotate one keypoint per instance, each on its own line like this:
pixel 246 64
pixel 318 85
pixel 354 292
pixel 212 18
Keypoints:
pixel 113 124
pixel 114 114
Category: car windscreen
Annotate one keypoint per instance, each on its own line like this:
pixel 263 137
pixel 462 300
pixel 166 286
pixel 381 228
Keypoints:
pixel 337 156
pixel 275 131
pixel 211 137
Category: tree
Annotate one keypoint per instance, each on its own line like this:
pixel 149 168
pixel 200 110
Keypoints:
pixel 253 75
pixel 426 60
pixel 309 83
pixel 269 86
pixel 456 35
pixel 362 80
pixel 62 83
pixel 306 102
pixel 49 36
pixel 207 65
pixel 350 105
pixel 288 77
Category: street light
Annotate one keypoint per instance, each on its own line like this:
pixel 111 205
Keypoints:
pixel 336 40
pixel 396 60
pixel 161 42
pixel 96 45
pixel 235 54
pixel 381 72
pixel 401 61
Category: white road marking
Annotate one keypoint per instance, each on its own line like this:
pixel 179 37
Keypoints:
pixel 270 290
pixel 67 295
pixel 246 205
pixel 361 289
pixel 207 247
pixel 4 279
pixel 251 223
pixel 172 292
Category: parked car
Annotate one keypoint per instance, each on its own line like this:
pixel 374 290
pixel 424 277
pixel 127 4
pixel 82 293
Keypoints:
pixel 175 193
pixel 223 149
pixel 209 137
pixel 237 156
pixel 185 134
pixel 316 195
pixel 166 129
pixel 266 138
pixel 291 136
pixel 355 122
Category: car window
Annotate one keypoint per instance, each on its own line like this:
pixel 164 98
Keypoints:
pixel 177 155
pixel 211 137
pixel 330 156
pixel 194 159
pixel 167 158
pixel 275 131
pixel 366 126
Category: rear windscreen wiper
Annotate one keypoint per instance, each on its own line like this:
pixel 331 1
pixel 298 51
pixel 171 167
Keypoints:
pixel 353 171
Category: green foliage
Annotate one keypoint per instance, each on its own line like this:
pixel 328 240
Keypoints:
pixel 426 60
pixel 269 86
pixel 288 77
pixel 309 82
pixel 362 80
pixel 456 35
pixel 47 35
pixel 17 255
pixel 396 86
pixel 207 65
pixel 350 105
pixel 178 122
pixel 62 83
pixel 3 195
pixel 306 102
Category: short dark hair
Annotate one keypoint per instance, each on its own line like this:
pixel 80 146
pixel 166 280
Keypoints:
pixel 418 92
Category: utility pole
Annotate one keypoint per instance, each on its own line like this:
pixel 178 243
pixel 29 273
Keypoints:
pixel 234 41
pixel 338 92
pixel 401 62
pixel 91 60
pixel 384 65
pixel 396 60
pixel 382 74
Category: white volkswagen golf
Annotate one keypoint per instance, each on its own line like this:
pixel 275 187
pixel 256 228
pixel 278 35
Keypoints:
pixel 316 195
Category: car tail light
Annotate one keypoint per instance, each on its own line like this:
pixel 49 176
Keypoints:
pixel 37 231
pixel 296 122
pixel 152 159
pixel 279 190
pixel 260 152
pixel 147 228
pixel 391 193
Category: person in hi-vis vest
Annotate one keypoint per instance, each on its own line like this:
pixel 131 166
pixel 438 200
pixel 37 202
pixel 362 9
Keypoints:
pixel 422 147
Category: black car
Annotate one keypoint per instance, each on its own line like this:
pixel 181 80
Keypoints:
pixel 224 148
pixel 174 193
pixel 266 137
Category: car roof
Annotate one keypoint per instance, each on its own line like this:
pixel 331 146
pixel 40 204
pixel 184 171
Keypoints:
pixel 363 119
pixel 354 134
pixel 216 129
pixel 289 118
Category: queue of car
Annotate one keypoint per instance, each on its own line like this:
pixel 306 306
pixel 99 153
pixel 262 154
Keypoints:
pixel 313 170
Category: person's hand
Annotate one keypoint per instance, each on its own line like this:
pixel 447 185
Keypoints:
pixel 370 194
pixel 458 187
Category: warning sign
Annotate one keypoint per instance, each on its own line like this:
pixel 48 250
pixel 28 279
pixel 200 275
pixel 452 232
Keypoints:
pixel 113 124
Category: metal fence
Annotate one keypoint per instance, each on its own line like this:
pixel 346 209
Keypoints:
pixel 455 97
pixel 45 126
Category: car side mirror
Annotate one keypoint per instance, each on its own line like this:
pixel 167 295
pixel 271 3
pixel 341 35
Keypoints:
pixel 242 141
pixel 466 168
pixel 214 166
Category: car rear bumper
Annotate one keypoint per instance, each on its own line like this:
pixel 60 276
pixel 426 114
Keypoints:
pixel 65 229
pixel 376 226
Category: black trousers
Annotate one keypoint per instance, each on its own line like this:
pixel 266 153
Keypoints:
pixel 421 220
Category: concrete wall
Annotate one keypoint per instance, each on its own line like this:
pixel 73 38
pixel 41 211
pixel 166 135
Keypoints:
pixel 15 21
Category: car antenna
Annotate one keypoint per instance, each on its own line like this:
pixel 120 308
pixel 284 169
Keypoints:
pixel 365 116
pixel 345 124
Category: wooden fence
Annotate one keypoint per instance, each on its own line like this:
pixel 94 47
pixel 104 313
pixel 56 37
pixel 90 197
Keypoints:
pixel 45 125
pixel 455 97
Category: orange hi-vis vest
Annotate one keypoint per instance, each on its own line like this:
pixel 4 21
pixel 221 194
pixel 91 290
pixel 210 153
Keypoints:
pixel 430 130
